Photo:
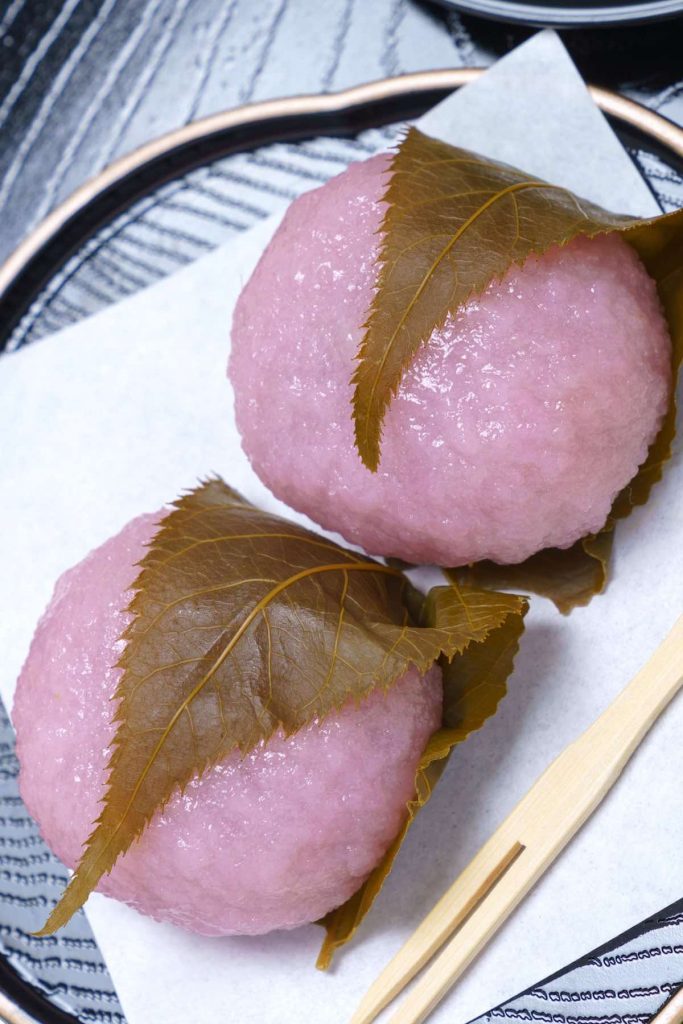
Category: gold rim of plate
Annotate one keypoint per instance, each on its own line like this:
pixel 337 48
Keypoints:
pixel 652 124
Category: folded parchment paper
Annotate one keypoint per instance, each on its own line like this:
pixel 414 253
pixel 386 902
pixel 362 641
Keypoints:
pixel 118 414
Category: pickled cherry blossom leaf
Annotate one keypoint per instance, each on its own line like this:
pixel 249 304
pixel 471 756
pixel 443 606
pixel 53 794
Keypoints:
pixel 569 577
pixel 455 221
pixel 245 624
pixel 475 682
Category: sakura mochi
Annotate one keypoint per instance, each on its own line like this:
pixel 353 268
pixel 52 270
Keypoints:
pixel 271 841
pixel 513 430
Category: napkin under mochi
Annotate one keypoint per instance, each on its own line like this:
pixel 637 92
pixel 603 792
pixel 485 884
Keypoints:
pixel 118 414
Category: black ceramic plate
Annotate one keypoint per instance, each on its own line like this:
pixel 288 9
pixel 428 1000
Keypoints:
pixel 580 14
pixel 144 216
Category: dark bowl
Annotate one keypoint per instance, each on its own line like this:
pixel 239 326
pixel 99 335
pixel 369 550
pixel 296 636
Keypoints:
pixel 580 14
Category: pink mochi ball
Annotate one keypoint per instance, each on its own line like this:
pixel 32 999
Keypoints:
pixel 272 841
pixel 513 430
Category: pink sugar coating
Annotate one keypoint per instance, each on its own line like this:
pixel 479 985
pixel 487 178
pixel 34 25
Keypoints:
pixel 513 430
pixel 273 841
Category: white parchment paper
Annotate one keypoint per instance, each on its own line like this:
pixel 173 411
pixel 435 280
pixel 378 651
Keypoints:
pixel 118 414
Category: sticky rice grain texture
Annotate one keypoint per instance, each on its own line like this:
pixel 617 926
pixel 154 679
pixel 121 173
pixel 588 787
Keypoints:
pixel 270 842
pixel 513 430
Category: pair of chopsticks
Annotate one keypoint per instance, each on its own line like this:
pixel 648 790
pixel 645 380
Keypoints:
pixel 527 843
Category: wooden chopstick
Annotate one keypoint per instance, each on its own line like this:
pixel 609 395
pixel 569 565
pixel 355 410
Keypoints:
pixel 527 843
pixel 672 1011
